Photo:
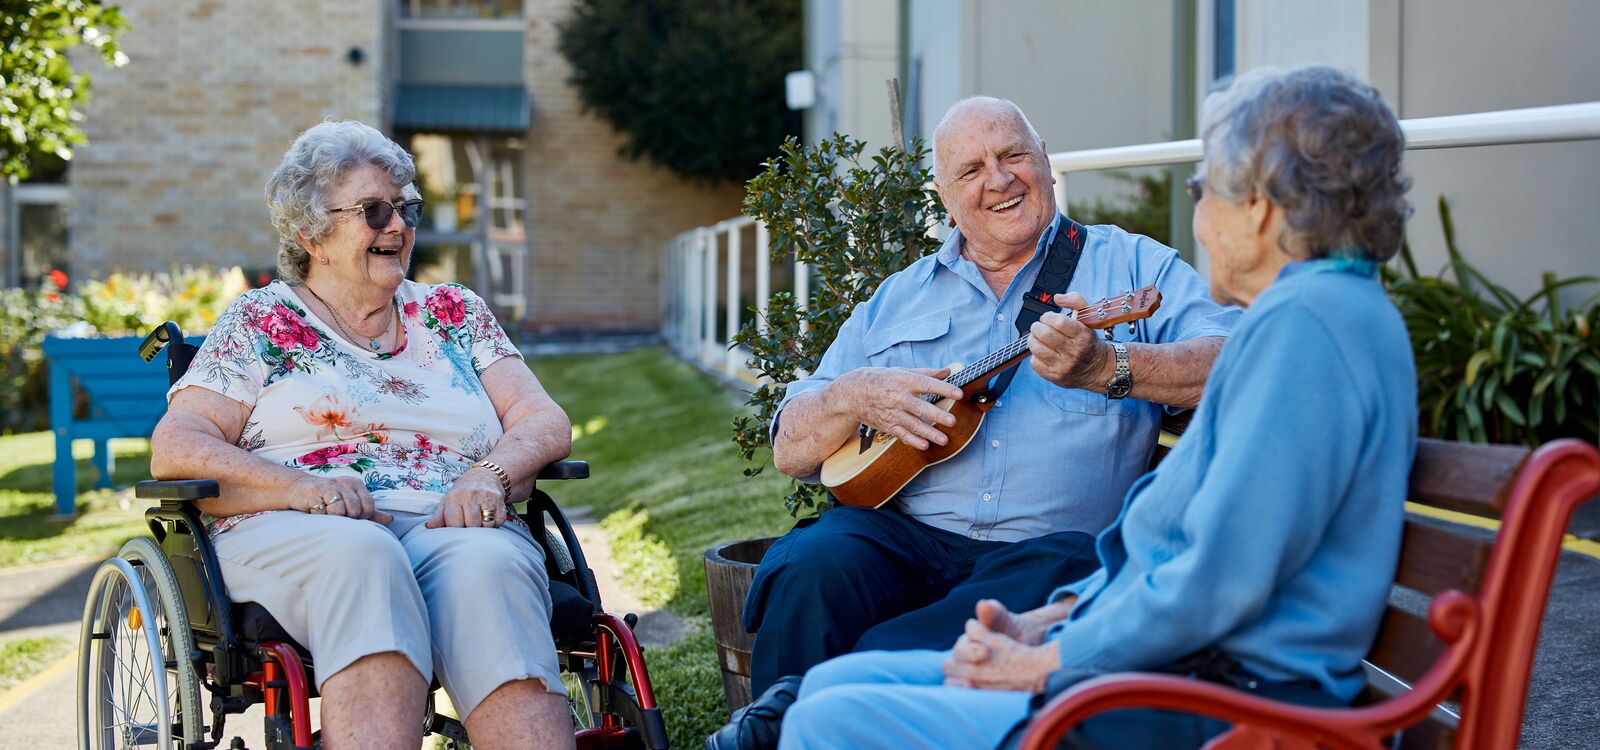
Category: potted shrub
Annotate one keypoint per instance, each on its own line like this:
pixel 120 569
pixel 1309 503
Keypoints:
pixel 855 219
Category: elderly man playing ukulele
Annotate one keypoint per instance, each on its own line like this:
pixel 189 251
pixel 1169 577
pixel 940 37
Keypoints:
pixel 1016 511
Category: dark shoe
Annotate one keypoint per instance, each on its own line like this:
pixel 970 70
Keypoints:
pixel 756 726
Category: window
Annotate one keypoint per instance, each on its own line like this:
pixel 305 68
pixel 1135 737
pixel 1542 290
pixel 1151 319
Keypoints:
pixel 1223 44
pixel 457 10
pixel 473 228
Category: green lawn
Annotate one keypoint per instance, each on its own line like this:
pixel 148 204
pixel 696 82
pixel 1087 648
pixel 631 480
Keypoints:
pixel 667 484
pixel 29 530
pixel 20 658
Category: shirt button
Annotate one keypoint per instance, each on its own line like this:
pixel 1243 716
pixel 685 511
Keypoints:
pixel 999 404
pixel 987 497
pixel 994 443
pixel 1001 317
pixel 974 535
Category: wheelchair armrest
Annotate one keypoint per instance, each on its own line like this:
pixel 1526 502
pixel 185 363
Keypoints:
pixel 564 470
pixel 175 489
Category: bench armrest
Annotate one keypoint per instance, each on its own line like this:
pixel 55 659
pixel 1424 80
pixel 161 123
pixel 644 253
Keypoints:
pixel 1257 721
pixel 565 470
pixel 175 489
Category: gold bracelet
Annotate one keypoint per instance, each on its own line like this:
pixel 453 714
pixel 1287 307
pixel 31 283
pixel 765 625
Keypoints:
pixel 505 479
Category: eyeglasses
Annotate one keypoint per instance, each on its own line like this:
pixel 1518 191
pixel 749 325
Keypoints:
pixel 1196 186
pixel 378 213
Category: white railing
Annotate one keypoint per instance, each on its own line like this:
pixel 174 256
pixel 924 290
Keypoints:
pixel 692 296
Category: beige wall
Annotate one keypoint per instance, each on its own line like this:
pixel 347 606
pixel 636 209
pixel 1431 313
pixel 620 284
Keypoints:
pixel 1519 210
pixel 182 138
pixel 597 223
pixel 1089 74
pixel 851 46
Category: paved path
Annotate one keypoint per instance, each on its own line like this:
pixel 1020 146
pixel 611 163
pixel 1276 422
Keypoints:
pixel 47 600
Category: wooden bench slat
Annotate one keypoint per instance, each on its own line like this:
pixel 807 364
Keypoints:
pixel 1464 477
pixel 1435 559
pixel 1406 647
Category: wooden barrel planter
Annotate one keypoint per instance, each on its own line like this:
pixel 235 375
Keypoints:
pixel 729 569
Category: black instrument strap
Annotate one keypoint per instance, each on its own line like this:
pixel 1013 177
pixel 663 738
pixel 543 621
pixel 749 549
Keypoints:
pixel 1060 263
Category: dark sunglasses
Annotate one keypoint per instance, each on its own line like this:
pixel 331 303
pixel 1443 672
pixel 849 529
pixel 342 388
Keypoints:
pixel 378 213
pixel 1196 186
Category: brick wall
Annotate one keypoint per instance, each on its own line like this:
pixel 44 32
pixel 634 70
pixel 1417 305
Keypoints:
pixel 182 139
pixel 597 222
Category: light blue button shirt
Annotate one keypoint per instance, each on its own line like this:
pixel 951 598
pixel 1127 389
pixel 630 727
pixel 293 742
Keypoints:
pixel 1047 458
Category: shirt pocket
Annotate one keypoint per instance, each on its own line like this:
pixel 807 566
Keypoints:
pixel 1076 400
pixel 911 343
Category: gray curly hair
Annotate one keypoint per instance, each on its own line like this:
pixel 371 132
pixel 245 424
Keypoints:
pixel 1320 144
pixel 318 162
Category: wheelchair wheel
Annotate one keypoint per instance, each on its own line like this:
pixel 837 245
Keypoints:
pixel 136 681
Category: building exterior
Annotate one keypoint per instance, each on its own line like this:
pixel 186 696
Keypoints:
pixel 528 201
pixel 1096 74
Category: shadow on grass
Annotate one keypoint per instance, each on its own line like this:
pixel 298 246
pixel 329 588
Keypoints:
pixel 30 530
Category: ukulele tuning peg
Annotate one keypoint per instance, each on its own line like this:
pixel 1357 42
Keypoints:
pixel 1131 330
pixel 1108 335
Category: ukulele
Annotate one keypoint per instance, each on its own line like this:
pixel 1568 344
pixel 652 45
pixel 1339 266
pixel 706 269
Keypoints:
pixel 872 466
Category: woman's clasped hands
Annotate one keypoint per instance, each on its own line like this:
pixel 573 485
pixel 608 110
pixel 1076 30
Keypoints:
pixel 1003 650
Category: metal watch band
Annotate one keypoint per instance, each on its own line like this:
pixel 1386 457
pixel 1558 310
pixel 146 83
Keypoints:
pixel 505 479
pixel 1122 379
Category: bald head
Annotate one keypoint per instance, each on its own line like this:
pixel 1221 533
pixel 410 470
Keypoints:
pixel 978 111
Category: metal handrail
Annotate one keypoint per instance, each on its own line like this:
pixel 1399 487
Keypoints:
pixel 690 294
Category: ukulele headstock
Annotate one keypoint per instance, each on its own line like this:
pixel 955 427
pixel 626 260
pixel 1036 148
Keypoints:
pixel 1123 308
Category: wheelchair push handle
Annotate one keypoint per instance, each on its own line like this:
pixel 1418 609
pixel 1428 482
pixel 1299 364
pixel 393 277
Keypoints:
pixel 162 335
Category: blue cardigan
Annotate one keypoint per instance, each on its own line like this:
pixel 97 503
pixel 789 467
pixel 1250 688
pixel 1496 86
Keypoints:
pixel 1273 529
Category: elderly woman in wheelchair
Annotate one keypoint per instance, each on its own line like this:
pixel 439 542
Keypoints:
pixel 367 435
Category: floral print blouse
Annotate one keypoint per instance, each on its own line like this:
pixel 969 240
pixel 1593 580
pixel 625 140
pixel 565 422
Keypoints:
pixel 406 422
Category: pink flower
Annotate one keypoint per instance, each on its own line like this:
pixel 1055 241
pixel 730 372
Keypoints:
pixel 333 455
pixel 286 329
pixel 424 443
pixel 411 309
pixel 446 305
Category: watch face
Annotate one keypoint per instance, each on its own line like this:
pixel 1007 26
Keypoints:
pixel 1118 389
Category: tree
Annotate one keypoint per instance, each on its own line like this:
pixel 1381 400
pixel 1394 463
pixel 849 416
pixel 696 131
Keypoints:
pixel 40 93
pixel 696 85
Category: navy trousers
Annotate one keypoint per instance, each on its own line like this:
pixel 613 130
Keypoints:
pixel 862 579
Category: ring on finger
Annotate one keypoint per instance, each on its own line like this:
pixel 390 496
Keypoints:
pixel 487 514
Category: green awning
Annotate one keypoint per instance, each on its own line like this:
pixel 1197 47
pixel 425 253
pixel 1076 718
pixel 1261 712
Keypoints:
pixel 478 109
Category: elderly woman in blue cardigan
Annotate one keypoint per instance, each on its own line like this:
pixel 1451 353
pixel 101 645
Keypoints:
pixel 1260 552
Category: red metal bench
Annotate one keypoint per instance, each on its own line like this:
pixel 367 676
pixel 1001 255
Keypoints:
pixel 1458 679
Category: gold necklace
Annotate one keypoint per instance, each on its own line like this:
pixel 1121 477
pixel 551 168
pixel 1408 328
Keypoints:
pixel 372 343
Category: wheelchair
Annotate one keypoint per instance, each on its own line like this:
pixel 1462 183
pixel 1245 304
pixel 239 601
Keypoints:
pixel 165 656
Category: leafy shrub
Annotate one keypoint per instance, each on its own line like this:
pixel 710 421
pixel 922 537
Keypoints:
pixel 1495 368
pixel 855 221
pixel 1148 213
pixel 121 305
pixel 25 317
pixel 126 304
pixel 696 86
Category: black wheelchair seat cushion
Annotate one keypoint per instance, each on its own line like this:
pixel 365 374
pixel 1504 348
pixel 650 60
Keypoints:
pixel 256 624
pixel 570 615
